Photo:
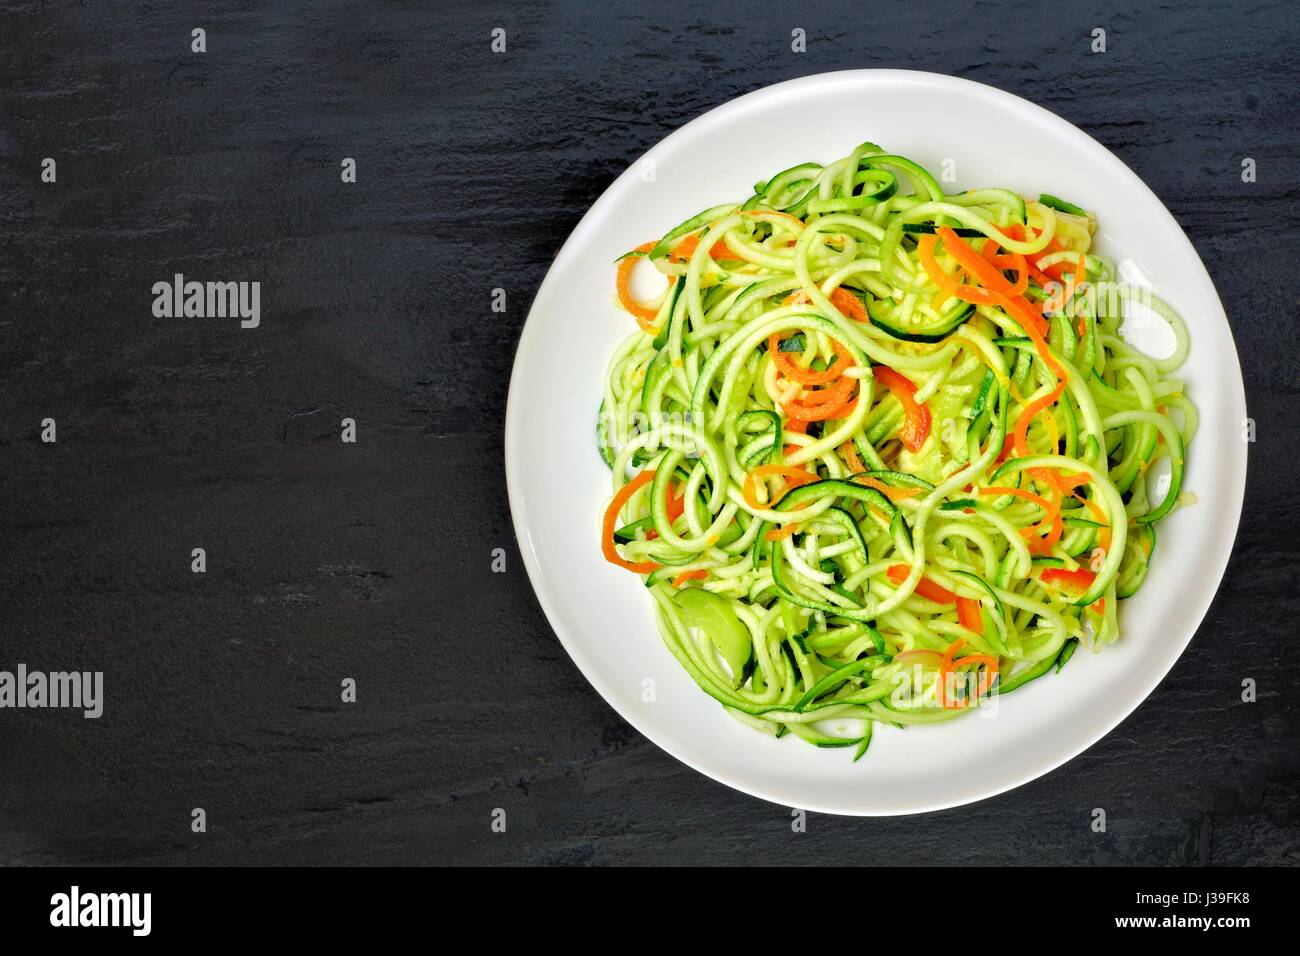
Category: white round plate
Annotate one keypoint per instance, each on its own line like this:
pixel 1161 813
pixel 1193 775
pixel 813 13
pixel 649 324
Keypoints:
pixel 559 486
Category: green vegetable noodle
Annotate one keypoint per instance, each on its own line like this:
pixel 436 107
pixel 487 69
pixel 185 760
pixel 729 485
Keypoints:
pixel 880 453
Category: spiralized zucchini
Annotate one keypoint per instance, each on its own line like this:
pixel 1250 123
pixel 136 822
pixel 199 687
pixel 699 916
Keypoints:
pixel 882 453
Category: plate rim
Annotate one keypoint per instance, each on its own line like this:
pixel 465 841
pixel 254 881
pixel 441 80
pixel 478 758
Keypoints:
pixel 512 437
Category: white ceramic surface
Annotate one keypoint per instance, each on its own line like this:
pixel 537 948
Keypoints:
pixel 558 485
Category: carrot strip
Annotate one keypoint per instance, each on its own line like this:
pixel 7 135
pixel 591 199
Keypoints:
pixel 797 426
pixel 793 477
pixel 686 248
pixel 841 298
pixel 821 413
pixel 850 456
pixel 607 545
pixel 776 534
pixel 1070 482
pixel 1018 492
pixel 889 491
pixel 949 662
pixel 1021 431
pixel 812 398
pixel 697 575
pixel 807 376
pixel 823 404
pixel 947 283
pixel 1017 263
pixel 644 315
pixel 1103 536
pixel 1003 294
pixel 1051 521
pixel 996 285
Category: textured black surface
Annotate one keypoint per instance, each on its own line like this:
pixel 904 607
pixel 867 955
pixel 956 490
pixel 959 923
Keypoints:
pixel 372 560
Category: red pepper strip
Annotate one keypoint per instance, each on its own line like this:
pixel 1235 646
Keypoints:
pixel 916 421
pixel 675 503
pixel 808 376
pixel 925 587
pixel 971 614
pixel 611 520
pixel 1080 579
pixel 685 576
pixel 1005 453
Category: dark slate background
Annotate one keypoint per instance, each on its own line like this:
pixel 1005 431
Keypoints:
pixel 372 560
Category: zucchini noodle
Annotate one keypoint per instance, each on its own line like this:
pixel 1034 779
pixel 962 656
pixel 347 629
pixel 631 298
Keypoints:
pixel 882 453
